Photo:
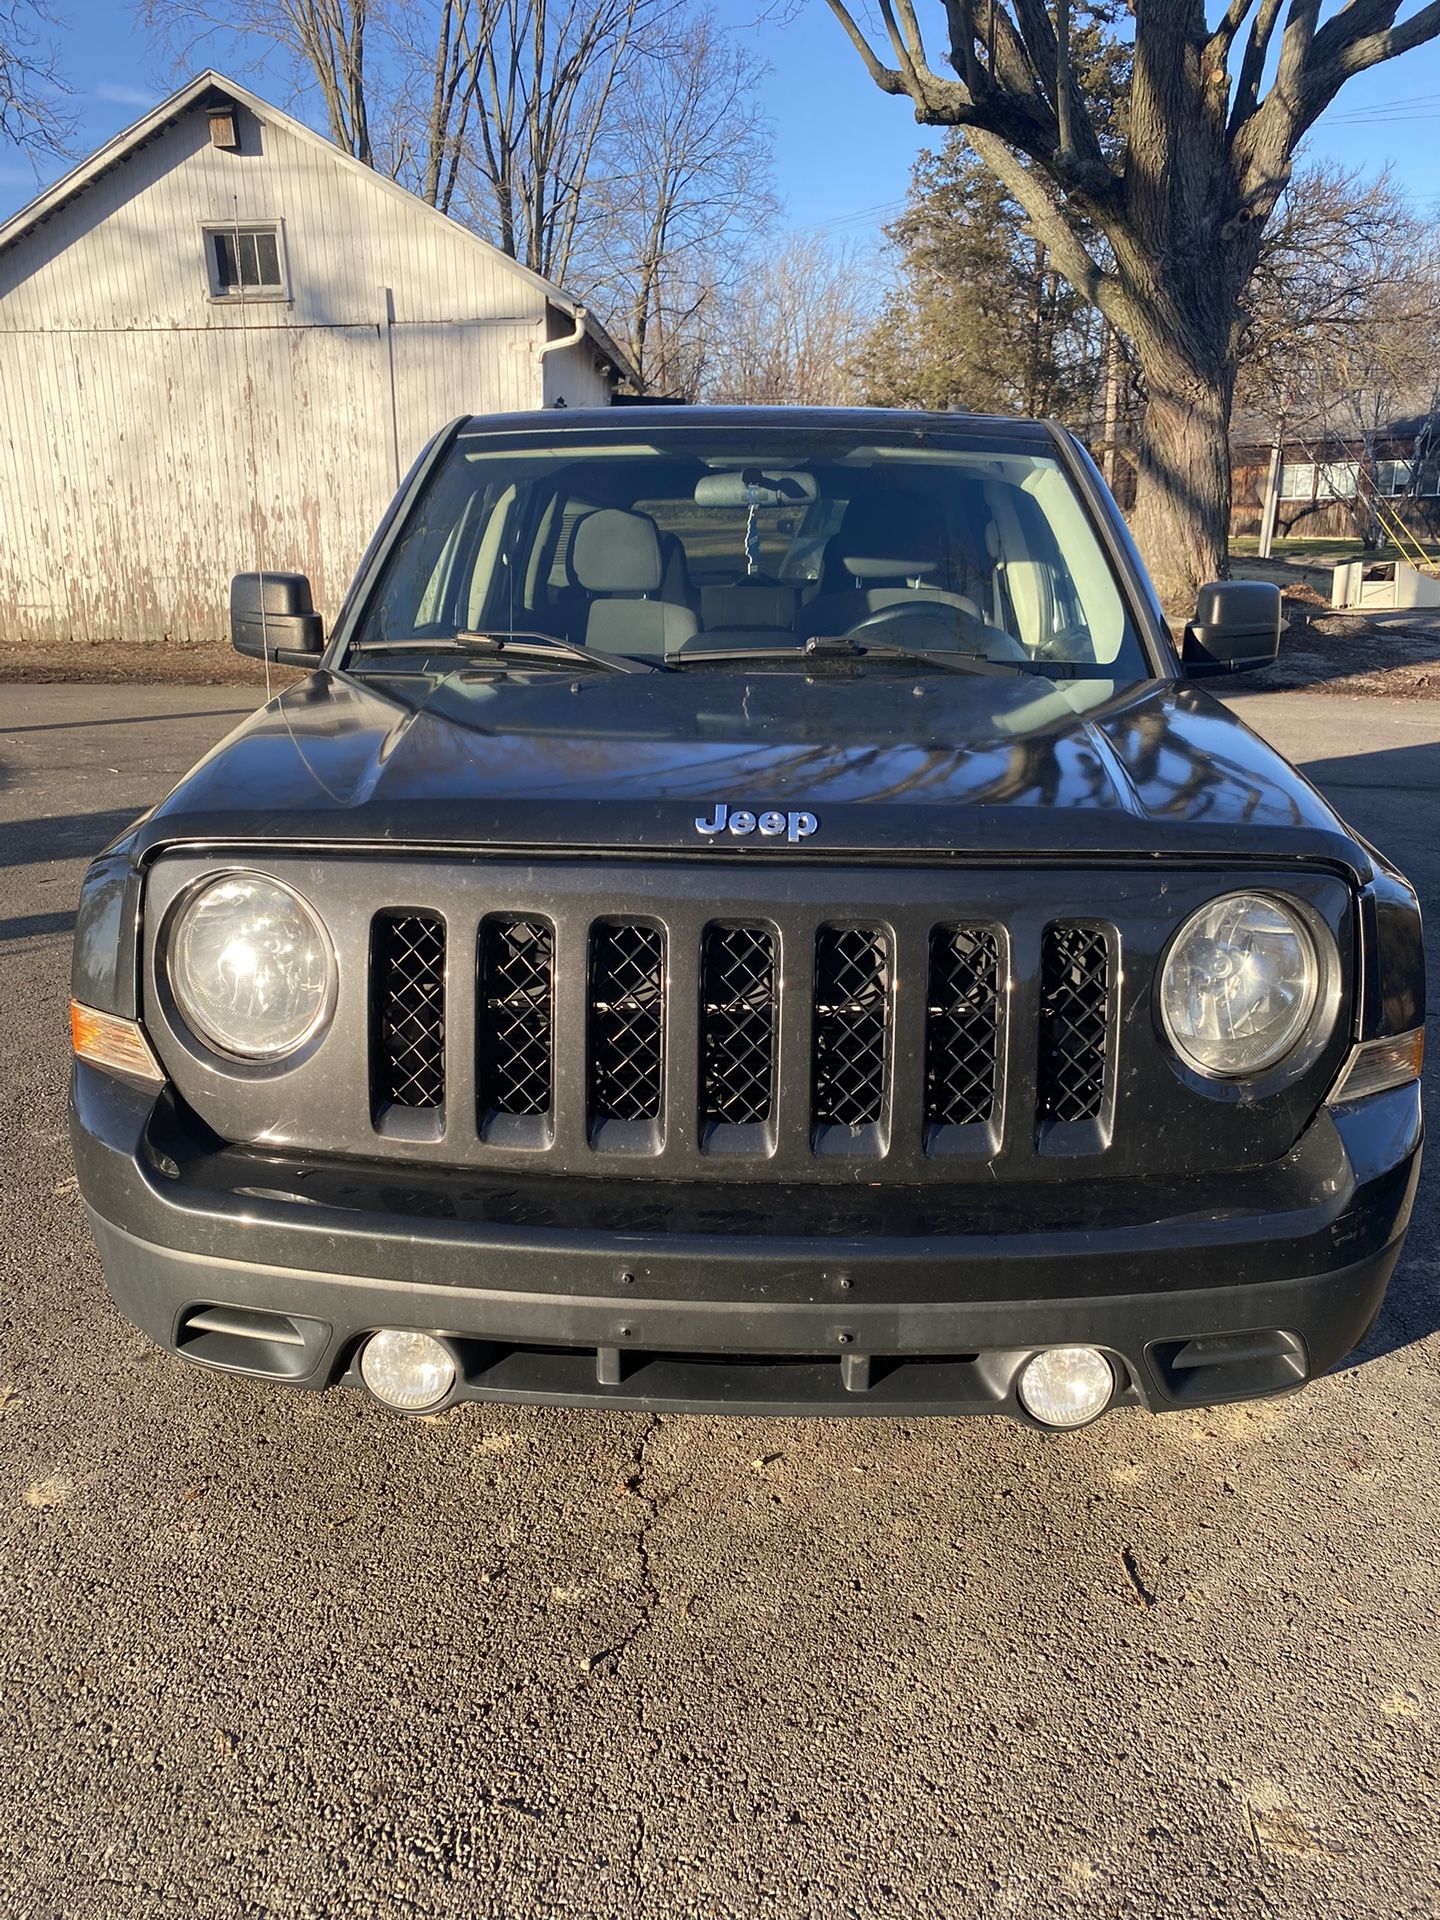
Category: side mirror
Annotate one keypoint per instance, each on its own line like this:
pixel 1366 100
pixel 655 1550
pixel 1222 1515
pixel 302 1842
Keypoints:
pixel 1236 627
pixel 271 618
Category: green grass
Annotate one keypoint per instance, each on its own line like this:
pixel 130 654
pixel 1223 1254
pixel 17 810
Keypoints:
pixel 1330 552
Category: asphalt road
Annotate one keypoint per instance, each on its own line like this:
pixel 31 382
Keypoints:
pixel 271 1654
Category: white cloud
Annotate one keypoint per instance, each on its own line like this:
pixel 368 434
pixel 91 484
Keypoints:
pixel 117 94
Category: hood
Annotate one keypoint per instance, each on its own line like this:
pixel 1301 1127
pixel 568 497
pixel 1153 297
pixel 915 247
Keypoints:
pixel 935 765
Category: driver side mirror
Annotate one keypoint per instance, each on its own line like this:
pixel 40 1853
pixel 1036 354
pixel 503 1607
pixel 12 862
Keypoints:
pixel 1236 627
pixel 271 618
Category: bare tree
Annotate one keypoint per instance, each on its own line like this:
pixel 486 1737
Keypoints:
pixel 326 40
pixel 437 45
pixel 1182 203
pixel 686 190
pixel 791 331
pixel 1344 256
pixel 545 79
pixel 33 114
pixel 1343 322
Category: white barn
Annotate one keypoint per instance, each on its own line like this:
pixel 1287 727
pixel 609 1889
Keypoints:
pixel 222 342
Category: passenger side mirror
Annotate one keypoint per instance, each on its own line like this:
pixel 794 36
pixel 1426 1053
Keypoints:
pixel 1236 627
pixel 271 618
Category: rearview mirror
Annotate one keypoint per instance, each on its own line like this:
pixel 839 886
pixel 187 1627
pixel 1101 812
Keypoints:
pixel 271 618
pixel 1236 627
pixel 752 487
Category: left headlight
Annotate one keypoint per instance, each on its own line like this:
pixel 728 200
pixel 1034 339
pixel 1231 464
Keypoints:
pixel 1240 985
pixel 251 966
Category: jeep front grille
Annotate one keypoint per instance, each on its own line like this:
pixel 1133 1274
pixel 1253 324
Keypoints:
pixel 962 1027
pixel 627 1025
pixel 738 1007
pixel 407 1002
pixel 687 1038
pixel 516 987
pixel 851 1026
pixel 1075 1023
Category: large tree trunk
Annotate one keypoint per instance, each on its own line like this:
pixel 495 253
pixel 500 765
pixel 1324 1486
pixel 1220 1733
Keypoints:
pixel 1182 512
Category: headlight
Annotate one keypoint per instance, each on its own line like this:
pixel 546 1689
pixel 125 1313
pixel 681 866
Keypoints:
pixel 1240 985
pixel 250 966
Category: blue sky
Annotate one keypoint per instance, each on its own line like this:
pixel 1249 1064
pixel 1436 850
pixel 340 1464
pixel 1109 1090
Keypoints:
pixel 842 151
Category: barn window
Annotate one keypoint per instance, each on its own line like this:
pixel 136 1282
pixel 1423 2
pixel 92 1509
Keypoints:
pixel 245 259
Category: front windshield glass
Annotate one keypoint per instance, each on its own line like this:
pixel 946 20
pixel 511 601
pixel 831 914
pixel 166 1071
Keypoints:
pixel 688 546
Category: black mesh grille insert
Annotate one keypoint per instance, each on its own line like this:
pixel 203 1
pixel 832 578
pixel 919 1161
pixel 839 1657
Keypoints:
pixel 962 1026
pixel 1075 1022
pixel 627 1020
pixel 737 1025
pixel 851 1026
pixel 517 970
pixel 407 1004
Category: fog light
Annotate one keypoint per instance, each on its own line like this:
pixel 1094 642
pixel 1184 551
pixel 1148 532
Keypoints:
pixel 1066 1386
pixel 410 1372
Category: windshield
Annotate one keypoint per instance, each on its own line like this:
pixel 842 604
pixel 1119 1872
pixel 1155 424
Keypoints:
pixel 686 546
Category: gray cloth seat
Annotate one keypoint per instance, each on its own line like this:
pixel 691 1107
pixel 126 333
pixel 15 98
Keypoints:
pixel 749 603
pixel 615 557
pixel 891 551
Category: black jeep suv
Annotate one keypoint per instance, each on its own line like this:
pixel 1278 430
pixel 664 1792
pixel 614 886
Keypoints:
pixel 748 910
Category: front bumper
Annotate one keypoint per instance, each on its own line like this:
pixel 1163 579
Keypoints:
pixel 831 1300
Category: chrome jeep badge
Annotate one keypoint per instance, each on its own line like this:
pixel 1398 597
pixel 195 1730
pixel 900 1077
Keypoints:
pixel 771 824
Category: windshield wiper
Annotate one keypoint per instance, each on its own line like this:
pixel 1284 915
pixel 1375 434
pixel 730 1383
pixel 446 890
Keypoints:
pixel 515 646
pixel 842 646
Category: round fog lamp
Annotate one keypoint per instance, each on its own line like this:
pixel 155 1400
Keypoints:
pixel 1066 1386
pixel 410 1372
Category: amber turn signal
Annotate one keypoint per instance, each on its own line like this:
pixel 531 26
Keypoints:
pixel 119 1046
pixel 1375 1066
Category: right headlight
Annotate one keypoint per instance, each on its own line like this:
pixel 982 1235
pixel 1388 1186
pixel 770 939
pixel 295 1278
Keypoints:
pixel 251 966
pixel 1240 985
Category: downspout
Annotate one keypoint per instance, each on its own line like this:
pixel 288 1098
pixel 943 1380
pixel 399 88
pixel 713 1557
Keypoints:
pixel 571 339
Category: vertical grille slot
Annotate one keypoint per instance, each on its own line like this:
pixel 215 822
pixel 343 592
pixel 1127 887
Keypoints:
pixel 851 1026
pixel 514 1041
pixel 737 1025
pixel 627 1020
pixel 1076 1020
pixel 407 1007
pixel 962 1026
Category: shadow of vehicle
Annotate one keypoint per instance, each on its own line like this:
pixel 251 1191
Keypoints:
pixel 61 836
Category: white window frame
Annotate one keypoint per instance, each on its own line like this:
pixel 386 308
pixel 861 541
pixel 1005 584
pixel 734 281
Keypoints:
pixel 244 296
pixel 1387 478
pixel 1347 488
pixel 1288 488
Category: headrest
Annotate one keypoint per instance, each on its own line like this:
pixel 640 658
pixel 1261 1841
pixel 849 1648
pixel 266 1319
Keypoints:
pixel 892 536
pixel 616 552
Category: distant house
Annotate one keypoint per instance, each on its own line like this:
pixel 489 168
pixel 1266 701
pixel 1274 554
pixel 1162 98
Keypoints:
pixel 1331 485
pixel 222 342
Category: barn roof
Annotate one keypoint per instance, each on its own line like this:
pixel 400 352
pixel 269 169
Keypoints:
pixel 212 88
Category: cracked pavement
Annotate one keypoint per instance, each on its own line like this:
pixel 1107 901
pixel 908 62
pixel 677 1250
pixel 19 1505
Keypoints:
pixel 267 1654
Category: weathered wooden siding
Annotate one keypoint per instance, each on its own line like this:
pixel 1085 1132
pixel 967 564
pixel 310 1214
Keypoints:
pixel 154 440
pixel 574 379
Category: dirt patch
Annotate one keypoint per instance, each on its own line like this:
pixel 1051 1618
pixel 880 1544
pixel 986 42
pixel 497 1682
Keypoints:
pixel 1392 657
pixel 100 662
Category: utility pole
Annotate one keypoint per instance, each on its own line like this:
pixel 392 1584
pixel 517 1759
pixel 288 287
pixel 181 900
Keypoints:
pixel 1271 505
pixel 1112 408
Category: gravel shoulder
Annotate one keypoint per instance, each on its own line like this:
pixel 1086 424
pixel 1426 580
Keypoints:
pixel 278 1655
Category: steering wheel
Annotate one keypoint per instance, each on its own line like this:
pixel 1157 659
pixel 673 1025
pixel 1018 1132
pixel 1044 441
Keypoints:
pixel 942 622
